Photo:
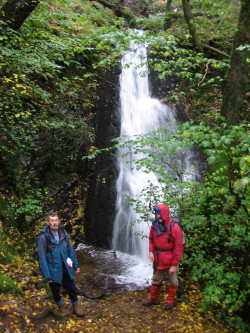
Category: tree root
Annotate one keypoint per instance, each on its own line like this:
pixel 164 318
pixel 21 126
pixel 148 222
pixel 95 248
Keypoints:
pixel 48 310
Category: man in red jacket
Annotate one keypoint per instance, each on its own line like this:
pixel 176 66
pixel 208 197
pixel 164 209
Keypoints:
pixel 165 252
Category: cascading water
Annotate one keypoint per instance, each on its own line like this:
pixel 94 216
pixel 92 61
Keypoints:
pixel 140 114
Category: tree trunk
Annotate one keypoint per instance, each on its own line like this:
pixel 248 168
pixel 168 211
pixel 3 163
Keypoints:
pixel 191 26
pixel 168 15
pixel 15 12
pixel 168 6
pixel 117 8
pixel 235 107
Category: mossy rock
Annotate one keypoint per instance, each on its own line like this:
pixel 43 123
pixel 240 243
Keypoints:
pixel 8 285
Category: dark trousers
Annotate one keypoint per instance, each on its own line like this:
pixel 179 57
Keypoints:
pixel 70 287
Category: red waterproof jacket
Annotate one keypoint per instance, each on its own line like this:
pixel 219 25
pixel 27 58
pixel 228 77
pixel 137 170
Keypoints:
pixel 158 244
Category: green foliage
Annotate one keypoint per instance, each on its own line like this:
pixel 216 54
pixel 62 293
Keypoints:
pixel 49 77
pixel 5 256
pixel 214 212
pixel 46 96
pixel 11 243
pixel 218 223
pixel 8 285
pixel 154 23
pixel 227 151
pixel 196 76
pixel 115 43
pixel 195 73
pixel 214 19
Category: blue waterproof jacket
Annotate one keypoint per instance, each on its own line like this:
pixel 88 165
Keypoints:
pixel 52 255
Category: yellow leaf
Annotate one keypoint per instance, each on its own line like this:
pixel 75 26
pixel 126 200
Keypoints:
pixel 245 181
pixel 236 183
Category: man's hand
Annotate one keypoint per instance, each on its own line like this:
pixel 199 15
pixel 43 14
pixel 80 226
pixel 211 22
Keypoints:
pixel 78 270
pixel 151 256
pixel 172 269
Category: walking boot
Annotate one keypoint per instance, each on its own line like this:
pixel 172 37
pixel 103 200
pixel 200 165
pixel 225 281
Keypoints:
pixel 77 310
pixel 154 298
pixel 62 310
pixel 171 297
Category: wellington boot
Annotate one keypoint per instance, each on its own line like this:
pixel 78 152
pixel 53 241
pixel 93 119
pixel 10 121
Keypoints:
pixel 77 310
pixel 169 306
pixel 154 298
pixel 149 303
pixel 63 311
pixel 171 298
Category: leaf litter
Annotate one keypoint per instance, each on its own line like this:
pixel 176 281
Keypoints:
pixel 118 312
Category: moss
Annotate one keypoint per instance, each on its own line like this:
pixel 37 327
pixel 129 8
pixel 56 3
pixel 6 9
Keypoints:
pixel 5 254
pixel 8 285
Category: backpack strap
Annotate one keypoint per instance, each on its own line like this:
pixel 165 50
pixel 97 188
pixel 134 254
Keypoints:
pixel 48 244
pixel 174 220
pixel 66 236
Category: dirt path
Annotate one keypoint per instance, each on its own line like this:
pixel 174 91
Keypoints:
pixel 118 312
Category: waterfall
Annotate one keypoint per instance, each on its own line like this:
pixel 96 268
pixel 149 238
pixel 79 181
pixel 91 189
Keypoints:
pixel 139 114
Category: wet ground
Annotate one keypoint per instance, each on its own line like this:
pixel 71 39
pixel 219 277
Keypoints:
pixel 104 271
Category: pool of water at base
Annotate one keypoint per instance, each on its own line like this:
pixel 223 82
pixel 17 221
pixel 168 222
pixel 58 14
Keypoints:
pixel 107 271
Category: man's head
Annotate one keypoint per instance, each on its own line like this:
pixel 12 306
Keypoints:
pixel 53 222
pixel 162 214
pixel 158 215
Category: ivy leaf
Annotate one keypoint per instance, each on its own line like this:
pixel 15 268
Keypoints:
pixel 206 144
pixel 211 159
pixel 241 183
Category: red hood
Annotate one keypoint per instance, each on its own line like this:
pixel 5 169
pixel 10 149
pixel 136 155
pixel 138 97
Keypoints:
pixel 164 213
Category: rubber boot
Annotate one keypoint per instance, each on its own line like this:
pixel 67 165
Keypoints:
pixel 171 297
pixel 62 310
pixel 154 298
pixel 77 310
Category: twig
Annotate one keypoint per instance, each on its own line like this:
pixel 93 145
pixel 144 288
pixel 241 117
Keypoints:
pixel 203 78
pixel 216 50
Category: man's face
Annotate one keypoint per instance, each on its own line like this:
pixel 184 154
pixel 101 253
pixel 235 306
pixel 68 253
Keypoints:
pixel 54 222
pixel 159 218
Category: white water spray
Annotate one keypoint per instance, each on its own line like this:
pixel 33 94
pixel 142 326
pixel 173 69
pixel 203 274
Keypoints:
pixel 139 114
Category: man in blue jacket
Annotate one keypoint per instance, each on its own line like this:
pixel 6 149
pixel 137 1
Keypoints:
pixel 58 263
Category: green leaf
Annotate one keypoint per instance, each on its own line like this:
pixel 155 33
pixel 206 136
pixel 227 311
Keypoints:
pixel 211 159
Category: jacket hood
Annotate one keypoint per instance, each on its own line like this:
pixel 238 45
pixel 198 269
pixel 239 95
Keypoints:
pixel 45 228
pixel 163 210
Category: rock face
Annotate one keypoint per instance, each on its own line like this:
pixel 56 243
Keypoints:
pixel 101 172
pixel 162 90
pixel 136 6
